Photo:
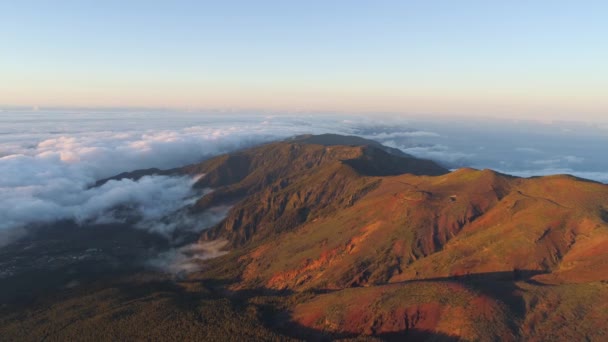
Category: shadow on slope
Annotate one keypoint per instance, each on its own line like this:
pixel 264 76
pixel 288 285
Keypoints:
pixel 206 308
pixel 310 334
pixel 54 258
pixel 499 286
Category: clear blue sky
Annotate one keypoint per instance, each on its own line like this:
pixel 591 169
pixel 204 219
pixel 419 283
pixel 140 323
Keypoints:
pixel 501 58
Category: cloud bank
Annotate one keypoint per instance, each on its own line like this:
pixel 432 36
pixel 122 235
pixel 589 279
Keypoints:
pixel 48 175
pixel 146 200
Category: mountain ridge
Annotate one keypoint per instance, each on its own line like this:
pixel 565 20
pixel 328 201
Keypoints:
pixel 469 230
pixel 353 241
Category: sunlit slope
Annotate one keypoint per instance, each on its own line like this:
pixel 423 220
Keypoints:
pixel 465 222
pixel 278 186
pixel 471 254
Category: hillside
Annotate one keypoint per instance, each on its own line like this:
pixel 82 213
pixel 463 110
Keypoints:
pixel 280 185
pixel 505 242
pixel 335 237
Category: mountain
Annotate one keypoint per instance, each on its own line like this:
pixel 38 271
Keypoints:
pixel 281 185
pixel 471 254
pixel 332 237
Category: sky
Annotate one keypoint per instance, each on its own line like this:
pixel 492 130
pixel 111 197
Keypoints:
pixel 509 59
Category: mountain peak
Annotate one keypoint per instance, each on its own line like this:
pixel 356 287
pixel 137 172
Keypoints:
pixel 329 139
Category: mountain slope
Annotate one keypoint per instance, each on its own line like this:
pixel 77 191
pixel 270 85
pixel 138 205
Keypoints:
pixel 508 242
pixel 335 237
pixel 282 184
pixel 466 222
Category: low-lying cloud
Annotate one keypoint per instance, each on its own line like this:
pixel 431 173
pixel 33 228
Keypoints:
pixel 145 200
pixel 186 259
pixel 184 221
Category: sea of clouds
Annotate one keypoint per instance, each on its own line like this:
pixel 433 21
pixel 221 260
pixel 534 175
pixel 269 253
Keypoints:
pixel 49 161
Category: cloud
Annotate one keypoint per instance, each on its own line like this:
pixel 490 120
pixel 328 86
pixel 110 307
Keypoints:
pixel 184 221
pixel 146 200
pixel 48 176
pixel 186 259
pixel 560 160
pixel 103 153
pixel 437 152
pixel 403 134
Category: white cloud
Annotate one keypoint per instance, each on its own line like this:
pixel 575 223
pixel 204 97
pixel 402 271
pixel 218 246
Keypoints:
pixel 148 199
pixel 185 221
pixel 50 178
pixel 440 153
pixel 184 260
pixel 406 134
